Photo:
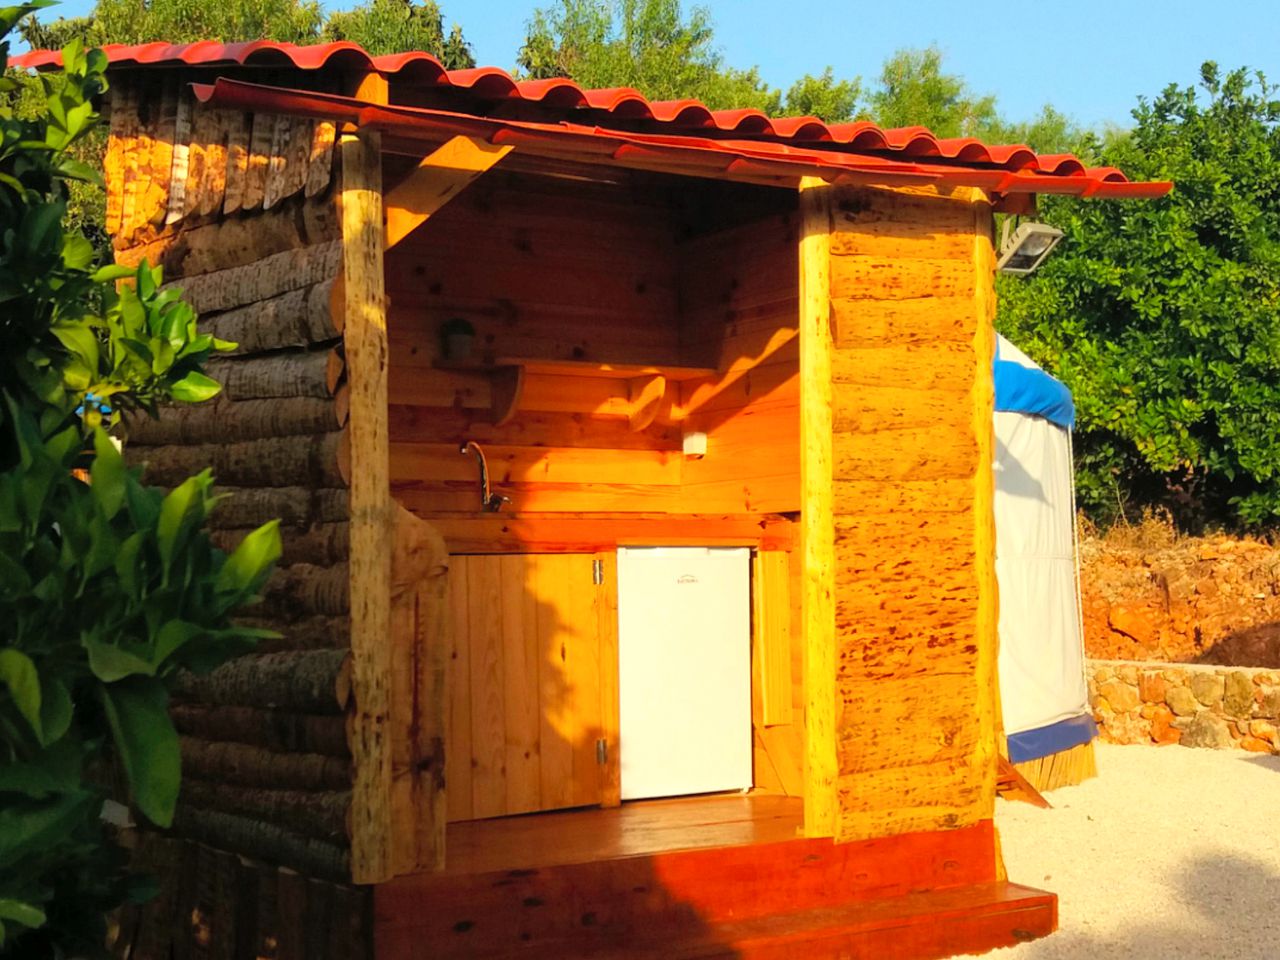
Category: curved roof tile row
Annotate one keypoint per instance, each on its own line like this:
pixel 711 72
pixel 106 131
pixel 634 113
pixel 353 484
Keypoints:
pixel 620 104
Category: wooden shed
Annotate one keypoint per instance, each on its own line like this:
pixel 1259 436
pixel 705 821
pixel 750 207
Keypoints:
pixel 731 380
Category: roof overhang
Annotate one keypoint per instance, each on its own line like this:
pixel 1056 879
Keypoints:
pixel 681 154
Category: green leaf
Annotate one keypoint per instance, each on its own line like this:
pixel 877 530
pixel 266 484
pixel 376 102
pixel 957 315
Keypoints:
pixel 21 913
pixel 55 770
pixel 248 567
pixel 18 673
pixel 173 636
pixel 137 709
pixel 55 709
pixel 110 662
pixel 33 825
pixel 175 513
pixel 107 473
pixel 195 387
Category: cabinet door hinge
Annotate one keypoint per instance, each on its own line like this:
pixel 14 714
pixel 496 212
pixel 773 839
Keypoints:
pixel 602 752
pixel 597 572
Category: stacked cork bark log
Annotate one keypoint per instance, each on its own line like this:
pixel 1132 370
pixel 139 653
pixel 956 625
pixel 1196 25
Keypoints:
pixel 242 212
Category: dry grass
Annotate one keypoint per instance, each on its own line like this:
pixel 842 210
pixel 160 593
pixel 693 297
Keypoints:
pixel 1154 531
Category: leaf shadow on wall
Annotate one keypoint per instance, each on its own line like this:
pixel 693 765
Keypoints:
pixel 526 708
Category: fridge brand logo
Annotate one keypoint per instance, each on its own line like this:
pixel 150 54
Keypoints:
pixel 686 578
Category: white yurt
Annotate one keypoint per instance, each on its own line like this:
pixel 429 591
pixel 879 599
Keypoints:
pixel 1043 692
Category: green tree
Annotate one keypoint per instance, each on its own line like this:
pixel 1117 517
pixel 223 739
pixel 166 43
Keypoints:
pixel 108 588
pixel 824 97
pixel 1164 316
pixel 646 44
pixel 914 91
pixel 394 26
pixel 185 21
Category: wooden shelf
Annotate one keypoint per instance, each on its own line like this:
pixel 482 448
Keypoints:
pixel 646 384
pixel 584 368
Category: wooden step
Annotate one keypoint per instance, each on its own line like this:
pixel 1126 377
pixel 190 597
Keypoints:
pixel 809 898
pixel 922 926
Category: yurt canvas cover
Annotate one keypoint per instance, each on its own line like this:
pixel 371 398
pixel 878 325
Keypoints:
pixel 1042 681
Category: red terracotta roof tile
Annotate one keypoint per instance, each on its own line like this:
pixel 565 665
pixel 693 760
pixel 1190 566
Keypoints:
pixel 687 120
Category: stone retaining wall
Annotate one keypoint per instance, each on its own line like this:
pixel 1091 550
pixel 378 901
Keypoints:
pixel 1197 706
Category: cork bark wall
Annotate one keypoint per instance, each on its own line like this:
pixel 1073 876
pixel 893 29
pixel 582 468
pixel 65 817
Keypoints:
pixel 240 211
pixel 911 303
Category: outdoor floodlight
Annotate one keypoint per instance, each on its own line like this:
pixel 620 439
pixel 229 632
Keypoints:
pixel 1023 252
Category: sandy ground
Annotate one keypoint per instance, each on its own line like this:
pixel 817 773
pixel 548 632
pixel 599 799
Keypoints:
pixel 1170 852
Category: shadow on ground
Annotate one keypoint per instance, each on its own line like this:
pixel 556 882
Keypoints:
pixel 1222 908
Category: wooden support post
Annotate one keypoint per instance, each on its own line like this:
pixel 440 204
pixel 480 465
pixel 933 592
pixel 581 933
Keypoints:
pixel 988 749
pixel 437 180
pixel 372 534
pixel 817 518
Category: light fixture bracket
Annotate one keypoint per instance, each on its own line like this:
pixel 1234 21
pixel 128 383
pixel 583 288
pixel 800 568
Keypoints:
pixel 1024 251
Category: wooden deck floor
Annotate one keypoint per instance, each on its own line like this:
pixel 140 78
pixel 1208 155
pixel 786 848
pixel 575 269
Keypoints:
pixel 637 828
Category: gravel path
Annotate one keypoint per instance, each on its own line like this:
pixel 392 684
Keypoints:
pixel 1170 852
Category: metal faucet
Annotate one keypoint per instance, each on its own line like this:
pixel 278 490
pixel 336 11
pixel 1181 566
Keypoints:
pixel 491 502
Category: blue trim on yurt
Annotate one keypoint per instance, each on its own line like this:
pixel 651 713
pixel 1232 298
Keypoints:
pixel 1022 389
pixel 1056 737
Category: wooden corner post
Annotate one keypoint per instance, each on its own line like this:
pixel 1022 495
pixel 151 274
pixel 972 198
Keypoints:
pixel 817 516
pixel 372 527
pixel 986 629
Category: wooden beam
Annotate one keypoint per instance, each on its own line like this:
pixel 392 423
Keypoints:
pixel 817 519
pixel 985 633
pixel 439 178
pixel 372 533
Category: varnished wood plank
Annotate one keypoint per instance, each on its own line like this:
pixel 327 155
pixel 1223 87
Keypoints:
pixel 820 801
pixel 458 694
pixel 696 897
pixel 365 339
pixel 515 464
pixel 582 672
pixel 634 829
pixel 553 577
pixel 487 636
pixel 576 533
pixel 522 708
pixel 440 176
pixel 773 632
pixel 606 604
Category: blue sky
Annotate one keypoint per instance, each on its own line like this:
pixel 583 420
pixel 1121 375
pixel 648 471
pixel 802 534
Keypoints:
pixel 1089 59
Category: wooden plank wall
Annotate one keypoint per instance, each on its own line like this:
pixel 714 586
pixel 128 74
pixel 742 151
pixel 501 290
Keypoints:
pixel 574 270
pixel 547 268
pixel 911 281
pixel 739 302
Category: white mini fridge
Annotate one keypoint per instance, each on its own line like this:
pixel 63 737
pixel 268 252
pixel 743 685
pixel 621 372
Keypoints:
pixel 684 659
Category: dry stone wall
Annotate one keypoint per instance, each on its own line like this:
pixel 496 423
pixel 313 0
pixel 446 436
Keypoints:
pixel 1194 705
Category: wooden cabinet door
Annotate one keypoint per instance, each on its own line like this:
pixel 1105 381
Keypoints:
pixel 531 684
